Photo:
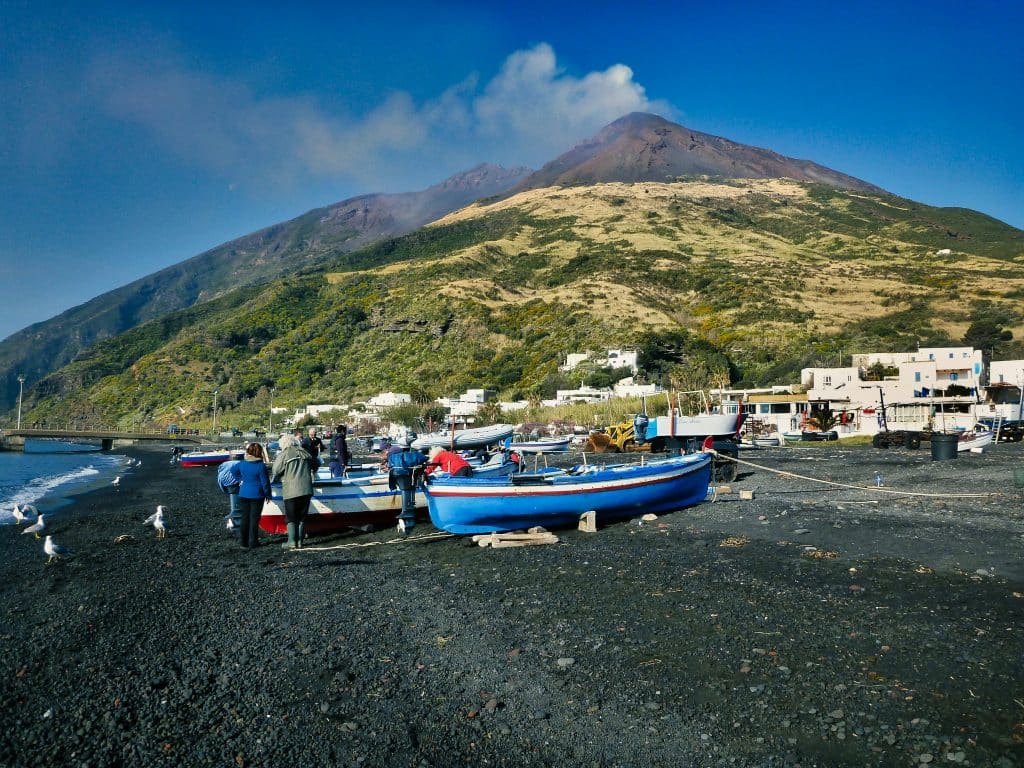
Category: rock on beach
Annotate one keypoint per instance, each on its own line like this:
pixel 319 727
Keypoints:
pixel 718 637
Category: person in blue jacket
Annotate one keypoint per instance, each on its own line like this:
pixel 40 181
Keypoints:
pixel 229 481
pixel 252 493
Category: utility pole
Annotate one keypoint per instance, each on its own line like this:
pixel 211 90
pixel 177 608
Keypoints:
pixel 21 391
pixel 215 412
pixel 270 419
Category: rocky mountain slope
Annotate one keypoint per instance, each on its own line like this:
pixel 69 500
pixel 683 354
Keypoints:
pixel 722 263
pixel 715 281
pixel 281 249
pixel 643 147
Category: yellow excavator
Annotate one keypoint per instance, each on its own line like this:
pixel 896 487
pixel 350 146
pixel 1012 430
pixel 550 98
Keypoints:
pixel 615 438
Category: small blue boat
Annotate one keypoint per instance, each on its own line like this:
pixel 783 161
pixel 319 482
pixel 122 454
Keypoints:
pixel 556 497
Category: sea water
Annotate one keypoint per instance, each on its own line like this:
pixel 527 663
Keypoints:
pixel 50 471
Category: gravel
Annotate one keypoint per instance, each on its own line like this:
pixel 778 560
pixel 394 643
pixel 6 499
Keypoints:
pixel 813 625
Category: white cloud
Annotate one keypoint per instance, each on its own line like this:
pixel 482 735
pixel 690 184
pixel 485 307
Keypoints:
pixel 530 112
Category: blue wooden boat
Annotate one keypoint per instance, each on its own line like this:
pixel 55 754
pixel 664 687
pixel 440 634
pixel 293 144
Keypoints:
pixel 556 497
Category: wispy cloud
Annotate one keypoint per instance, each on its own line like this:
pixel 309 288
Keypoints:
pixel 530 111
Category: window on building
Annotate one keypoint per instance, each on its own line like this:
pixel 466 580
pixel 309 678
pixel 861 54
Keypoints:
pixel 953 376
pixel 828 381
pixel 917 375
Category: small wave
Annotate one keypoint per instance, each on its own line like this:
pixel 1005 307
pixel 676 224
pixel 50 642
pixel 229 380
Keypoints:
pixel 37 488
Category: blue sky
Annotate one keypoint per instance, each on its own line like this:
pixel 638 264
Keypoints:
pixel 135 135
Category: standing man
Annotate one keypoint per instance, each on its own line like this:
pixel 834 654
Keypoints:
pixel 312 445
pixel 341 456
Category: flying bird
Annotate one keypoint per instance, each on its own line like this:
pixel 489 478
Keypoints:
pixel 36 527
pixel 55 550
pixel 157 520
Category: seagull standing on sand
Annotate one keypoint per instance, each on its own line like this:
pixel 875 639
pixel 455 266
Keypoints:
pixel 35 528
pixel 55 550
pixel 157 519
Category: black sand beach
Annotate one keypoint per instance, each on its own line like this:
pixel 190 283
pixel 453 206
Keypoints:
pixel 812 625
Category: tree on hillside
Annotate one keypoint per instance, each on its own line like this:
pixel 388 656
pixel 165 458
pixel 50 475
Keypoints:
pixel 490 413
pixel 988 335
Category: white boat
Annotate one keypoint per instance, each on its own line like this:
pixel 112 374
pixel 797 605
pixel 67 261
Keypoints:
pixel 460 439
pixel 558 444
pixel 975 439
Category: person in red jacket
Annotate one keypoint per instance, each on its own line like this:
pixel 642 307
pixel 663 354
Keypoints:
pixel 447 461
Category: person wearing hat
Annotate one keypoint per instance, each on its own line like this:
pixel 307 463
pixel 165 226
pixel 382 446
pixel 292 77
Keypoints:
pixel 447 461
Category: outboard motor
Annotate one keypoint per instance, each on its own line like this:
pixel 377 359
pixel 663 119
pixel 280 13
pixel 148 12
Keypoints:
pixel 405 472
pixel 640 422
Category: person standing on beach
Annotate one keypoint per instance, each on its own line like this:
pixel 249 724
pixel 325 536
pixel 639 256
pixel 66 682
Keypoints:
pixel 292 468
pixel 313 445
pixel 341 457
pixel 229 480
pixel 253 492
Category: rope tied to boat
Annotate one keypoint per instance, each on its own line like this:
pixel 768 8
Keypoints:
pixel 873 488
pixel 400 540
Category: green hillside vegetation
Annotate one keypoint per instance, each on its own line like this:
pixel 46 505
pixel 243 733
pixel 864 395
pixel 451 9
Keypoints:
pixel 718 282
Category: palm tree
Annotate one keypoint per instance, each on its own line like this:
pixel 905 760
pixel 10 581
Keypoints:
pixel 824 419
pixel 490 413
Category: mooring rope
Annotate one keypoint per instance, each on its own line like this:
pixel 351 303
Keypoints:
pixel 400 540
pixel 874 488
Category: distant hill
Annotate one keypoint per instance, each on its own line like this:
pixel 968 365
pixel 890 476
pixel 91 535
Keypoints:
pixel 643 147
pixel 280 249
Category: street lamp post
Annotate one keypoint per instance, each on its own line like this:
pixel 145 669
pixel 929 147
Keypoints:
pixel 215 412
pixel 21 391
pixel 270 418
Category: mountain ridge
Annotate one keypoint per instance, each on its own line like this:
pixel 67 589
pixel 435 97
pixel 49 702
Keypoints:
pixel 645 147
pixel 250 259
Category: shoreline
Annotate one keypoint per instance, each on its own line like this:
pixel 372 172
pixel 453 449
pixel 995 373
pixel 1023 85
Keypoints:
pixel 719 635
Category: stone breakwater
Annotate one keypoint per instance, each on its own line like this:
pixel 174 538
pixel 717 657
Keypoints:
pixel 810 625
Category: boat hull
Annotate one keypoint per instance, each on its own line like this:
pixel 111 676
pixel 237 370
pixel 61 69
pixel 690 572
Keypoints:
pixel 974 441
pixel 686 432
pixel 208 459
pixel 341 503
pixel 544 445
pixel 554 499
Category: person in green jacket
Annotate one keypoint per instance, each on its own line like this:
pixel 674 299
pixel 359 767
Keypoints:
pixel 292 468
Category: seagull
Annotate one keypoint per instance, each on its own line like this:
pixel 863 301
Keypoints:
pixel 231 524
pixel 157 519
pixel 401 525
pixel 116 481
pixel 18 514
pixel 36 527
pixel 55 550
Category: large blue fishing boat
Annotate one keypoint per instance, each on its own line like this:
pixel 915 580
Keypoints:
pixel 557 497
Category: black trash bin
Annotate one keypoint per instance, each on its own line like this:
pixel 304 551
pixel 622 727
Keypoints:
pixel 944 446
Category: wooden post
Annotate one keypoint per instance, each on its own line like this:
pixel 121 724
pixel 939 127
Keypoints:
pixel 588 522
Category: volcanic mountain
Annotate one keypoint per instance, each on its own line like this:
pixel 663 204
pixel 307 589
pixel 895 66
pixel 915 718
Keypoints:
pixel 644 147
pixel 250 260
